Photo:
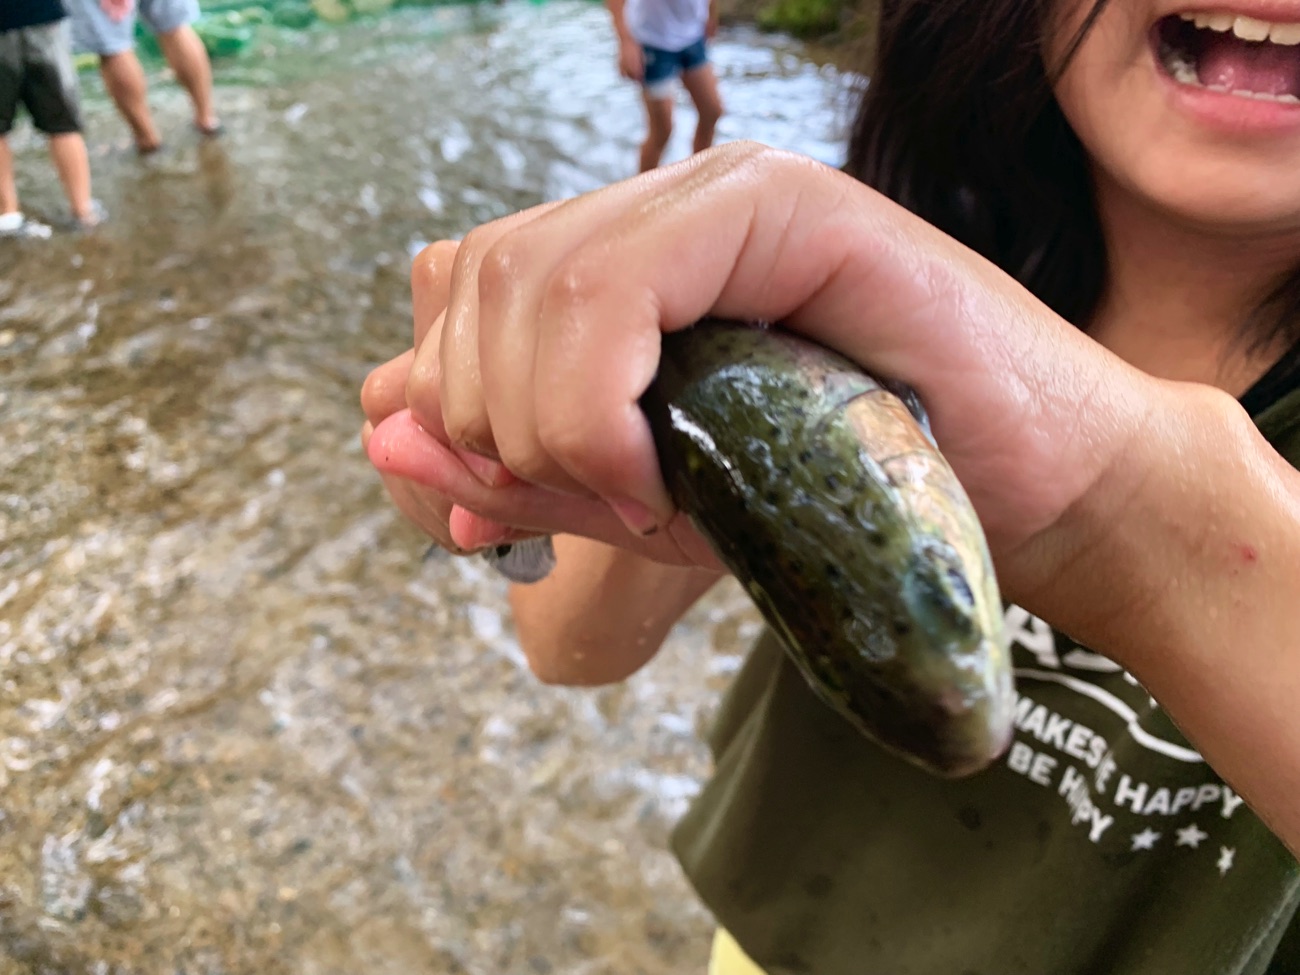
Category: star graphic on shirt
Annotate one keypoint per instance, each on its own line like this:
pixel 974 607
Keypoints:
pixel 1226 855
pixel 1191 836
pixel 1145 840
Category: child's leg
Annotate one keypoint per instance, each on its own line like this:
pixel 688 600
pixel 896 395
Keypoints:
pixel 50 92
pixel 113 40
pixel 657 88
pixel 73 163
pixel 171 21
pixel 659 116
pixel 702 85
pixel 188 58
pixel 124 79
pixel 8 188
pixel 10 74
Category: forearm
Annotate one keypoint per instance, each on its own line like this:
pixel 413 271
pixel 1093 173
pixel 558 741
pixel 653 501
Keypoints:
pixel 1195 588
pixel 617 11
pixel 602 613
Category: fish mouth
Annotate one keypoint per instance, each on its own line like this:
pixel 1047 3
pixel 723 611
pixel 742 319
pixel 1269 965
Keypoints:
pixel 1232 54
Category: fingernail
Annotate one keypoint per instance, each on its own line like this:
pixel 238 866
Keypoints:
pixel 473 532
pixel 639 519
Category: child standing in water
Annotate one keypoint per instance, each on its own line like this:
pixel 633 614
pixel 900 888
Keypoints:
pixel 106 28
pixel 658 41
pixel 1074 229
pixel 36 71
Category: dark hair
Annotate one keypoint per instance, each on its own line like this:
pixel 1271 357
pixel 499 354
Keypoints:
pixel 959 125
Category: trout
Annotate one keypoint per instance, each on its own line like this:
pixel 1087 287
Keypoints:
pixel 821 489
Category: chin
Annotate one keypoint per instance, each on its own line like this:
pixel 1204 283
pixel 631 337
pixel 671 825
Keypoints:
pixel 1235 206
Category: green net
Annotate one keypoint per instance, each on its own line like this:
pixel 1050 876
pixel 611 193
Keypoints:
pixel 229 26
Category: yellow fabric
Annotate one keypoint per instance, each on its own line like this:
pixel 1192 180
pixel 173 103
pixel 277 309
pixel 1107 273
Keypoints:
pixel 729 958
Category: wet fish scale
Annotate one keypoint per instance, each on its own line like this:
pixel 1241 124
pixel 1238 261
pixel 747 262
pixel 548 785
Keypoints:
pixel 821 492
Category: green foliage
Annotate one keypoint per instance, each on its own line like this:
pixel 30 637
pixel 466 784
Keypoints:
pixel 803 18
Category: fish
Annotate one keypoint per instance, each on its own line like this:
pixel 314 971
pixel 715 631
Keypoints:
pixel 821 488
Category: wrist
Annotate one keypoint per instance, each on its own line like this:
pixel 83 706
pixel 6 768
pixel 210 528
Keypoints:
pixel 1154 531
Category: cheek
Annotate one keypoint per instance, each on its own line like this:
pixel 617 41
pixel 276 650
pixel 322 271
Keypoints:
pixel 1107 67
pixel 1111 94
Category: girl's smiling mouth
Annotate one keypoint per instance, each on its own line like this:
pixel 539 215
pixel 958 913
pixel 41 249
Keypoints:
pixel 1231 54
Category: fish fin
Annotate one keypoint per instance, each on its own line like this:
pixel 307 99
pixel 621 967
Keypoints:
pixel 528 561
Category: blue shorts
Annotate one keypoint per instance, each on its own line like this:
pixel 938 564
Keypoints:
pixel 93 32
pixel 662 67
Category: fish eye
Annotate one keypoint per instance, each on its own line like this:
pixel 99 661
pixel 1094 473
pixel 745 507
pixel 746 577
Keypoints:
pixel 960 587
pixel 938 591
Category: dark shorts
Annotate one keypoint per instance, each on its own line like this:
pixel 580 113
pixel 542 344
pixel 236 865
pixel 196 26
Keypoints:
pixel 36 70
pixel 662 67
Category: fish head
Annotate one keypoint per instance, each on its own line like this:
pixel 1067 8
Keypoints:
pixel 955 612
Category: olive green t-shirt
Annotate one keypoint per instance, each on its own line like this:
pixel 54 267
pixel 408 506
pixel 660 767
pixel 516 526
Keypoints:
pixel 1101 844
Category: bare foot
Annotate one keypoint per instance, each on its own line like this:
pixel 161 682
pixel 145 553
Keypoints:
pixel 94 215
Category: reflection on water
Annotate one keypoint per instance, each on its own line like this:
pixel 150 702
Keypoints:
pixel 242 727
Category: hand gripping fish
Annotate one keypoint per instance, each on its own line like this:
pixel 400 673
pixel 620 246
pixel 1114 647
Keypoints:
pixel 822 490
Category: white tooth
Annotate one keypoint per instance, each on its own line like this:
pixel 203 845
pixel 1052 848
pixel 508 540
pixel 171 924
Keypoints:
pixel 1220 22
pixel 1289 99
pixel 1286 34
pixel 1260 96
pixel 1185 74
pixel 1202 21
pixel 1222 88
pixel 1250 29
pixel 1190 18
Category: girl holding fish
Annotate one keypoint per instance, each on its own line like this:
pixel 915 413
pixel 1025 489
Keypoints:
pixel 1074 229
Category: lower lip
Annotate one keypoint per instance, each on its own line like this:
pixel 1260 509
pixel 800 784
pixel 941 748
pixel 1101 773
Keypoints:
pixel 1223 111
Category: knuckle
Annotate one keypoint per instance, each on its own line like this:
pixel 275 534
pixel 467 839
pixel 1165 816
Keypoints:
pixel 475 244
pixel 424 268
pixel 499 268
pixel 575 283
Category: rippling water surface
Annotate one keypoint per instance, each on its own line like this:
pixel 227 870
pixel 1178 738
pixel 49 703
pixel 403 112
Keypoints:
pixel 243 728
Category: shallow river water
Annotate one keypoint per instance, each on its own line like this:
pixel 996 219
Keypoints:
pixel 244 728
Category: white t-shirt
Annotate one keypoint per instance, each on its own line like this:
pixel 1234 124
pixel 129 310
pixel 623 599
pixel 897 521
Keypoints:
pixel 671 25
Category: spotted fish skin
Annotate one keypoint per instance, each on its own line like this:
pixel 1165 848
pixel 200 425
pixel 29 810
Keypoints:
pixel 822 492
